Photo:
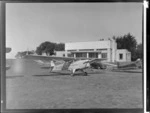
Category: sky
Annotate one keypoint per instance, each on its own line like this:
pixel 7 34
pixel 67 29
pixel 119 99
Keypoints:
pixel 30 24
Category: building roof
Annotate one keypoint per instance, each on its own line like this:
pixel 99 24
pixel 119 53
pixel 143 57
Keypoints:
pixel 88 45
pixel 123 50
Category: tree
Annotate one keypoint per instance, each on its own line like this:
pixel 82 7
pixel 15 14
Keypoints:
pixel 46 47
pixel 139 51
pixel 127 42
pixel 23 53
pixel 49 48
pixel 38 51
pixel 60 47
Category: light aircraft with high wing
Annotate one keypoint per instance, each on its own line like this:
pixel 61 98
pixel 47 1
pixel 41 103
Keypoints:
pixel 64 63
pixel 125 66
pixel 54 63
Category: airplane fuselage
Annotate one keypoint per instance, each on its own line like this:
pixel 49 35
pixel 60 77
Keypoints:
pixel 73 67
pixel 81 64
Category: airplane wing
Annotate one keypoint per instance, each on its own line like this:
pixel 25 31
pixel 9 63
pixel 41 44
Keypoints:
pixel 95 60
pixel 40 58
pixel 47 58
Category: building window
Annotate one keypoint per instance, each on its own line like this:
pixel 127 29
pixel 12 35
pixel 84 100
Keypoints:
pixel 78 55
pixel 104 55
pixel 72 50
pixel 70 55
pixel 101 49
pixel 63 55
pixel 93 55
pixel 120 56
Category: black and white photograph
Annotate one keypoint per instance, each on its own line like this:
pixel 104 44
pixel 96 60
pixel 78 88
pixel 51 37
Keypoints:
pixel 74 55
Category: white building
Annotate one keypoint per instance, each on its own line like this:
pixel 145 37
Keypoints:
pixel 96 49
pixel 123 55
pixel 60 53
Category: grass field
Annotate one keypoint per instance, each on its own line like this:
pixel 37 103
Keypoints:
pixel 30 87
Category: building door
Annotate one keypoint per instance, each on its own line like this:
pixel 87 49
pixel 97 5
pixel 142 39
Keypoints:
pixel 120 56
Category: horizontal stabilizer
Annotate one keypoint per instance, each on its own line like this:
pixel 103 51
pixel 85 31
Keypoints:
pixel 109 64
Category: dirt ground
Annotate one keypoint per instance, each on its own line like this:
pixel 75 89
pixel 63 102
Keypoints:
pixel 30 87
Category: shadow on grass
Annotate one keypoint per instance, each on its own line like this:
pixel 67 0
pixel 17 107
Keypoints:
pixel 45 67
pixel 14 76
pixel 127 71
pixel 58 74
pixel 68 74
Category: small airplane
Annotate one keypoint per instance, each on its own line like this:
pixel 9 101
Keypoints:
pixel 54 63
pixel 7 51
pixel 64 63
pixel 125 66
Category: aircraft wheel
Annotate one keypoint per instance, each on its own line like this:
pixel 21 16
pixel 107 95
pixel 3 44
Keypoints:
pixel 72 74
pixel 85 74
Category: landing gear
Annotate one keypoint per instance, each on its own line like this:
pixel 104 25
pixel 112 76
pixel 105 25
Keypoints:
pixel 72 74
pixel 50 69
pixel 73 71
pixel 85 74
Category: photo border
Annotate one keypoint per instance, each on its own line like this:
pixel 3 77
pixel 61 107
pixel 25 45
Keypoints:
pixel 3 60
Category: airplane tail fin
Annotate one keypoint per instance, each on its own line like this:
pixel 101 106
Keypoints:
pixel 66 65
pixel 57 65
pixel 138 63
